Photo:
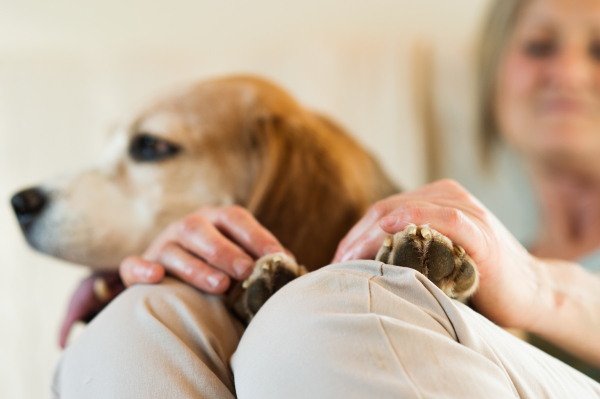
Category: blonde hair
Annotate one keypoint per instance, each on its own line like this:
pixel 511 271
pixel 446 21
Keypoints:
pixel 497 30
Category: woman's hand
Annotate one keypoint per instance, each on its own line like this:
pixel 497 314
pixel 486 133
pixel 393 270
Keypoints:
pixel 509 279
pixel 205 249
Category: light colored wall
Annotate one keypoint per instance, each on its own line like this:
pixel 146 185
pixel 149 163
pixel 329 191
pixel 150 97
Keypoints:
pixel 67 69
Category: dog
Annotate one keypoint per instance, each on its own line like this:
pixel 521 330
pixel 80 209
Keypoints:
pixel 230 141
pixel 234 140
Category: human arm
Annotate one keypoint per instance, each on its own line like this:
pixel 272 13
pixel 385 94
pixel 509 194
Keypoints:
pixel 568 307
pixel 557 300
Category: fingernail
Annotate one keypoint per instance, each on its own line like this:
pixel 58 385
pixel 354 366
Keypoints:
pixel 271 249
pixel 241 266
pixel 143 273
pixel 149 273
pixel 388 221
pixel 215 279
pixel 347 256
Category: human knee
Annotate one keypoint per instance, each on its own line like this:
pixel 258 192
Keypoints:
pixel 353 288
pixel 139 308
pixel 147 330
pixel 136 327
pixel 157 296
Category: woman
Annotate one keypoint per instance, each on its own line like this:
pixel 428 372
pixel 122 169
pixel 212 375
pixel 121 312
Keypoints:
pixel 539 89
pixel 539 93
pixel 360 329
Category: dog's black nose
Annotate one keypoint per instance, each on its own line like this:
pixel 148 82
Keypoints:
pixel 28 204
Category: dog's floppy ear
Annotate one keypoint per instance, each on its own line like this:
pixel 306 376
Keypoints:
pixel 299 192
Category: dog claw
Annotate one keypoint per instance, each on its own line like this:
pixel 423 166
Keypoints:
pixel 271 272
pixel 101 290
pixel 425 233
pixel 458 250
pixel 411 230
pixel 389 240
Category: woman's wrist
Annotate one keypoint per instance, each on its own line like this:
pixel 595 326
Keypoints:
pixel 554 279
pixel 526 295
pixel 565 310
pixel 540 289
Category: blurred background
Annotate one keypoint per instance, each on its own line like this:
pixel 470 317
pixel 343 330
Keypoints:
pixel 396 73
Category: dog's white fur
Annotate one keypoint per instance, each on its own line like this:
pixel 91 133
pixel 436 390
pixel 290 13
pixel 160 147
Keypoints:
pixel 98 216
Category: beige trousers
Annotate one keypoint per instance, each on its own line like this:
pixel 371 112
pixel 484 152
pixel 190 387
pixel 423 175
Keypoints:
pixel 358 329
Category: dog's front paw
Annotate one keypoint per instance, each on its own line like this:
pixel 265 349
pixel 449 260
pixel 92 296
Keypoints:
pixel 271 272
pixel 421 248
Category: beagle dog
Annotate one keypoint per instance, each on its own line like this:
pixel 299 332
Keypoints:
pixel 235 140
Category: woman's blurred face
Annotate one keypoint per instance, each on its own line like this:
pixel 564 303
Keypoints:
pixel 548 96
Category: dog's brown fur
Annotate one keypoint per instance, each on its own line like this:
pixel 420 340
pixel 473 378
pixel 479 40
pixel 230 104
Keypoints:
pixel 314 180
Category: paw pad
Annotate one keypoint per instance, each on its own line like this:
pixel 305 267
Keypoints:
pixel 426 250
pixel 270 274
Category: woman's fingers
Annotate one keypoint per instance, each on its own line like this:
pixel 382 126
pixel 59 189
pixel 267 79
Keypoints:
pixel 135 270
pixel 365 246
pixel 240 226
pixel 451 222
pixel 373 215
pixel 200 237
pixel 364 235
pixel 187 267
pixel 204 249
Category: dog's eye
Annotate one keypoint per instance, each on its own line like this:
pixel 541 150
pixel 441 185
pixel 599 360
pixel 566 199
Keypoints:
pixel 147 148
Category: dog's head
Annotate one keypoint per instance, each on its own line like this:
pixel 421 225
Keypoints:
pixel 238 140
